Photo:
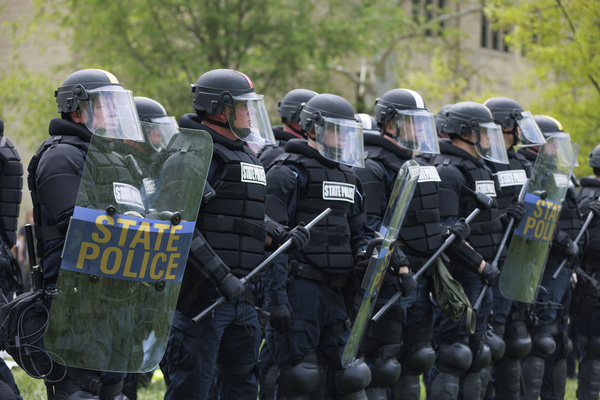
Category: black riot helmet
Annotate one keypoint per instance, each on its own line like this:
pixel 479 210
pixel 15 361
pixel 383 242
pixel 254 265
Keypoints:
pixel 562 148
pixel 158 126
pixel 474 124
pixel 548 125
pixel 368 122
pixel 289 106
pixel 233 91
pixel 413 124
pixel 595 160
pixel 514 120
pixel 329 120
pixel 108 110
pixel 441 124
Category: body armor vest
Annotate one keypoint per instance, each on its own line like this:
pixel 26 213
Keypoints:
pixel 569 220
pixel 420 232
pixel 486 229
pixel 590 190
pixel 329 248
pixel 11 184
pixel 232 222
pixel 510 178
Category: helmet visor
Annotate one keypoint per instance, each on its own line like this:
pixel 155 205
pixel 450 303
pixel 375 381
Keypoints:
pixel 531 135
pixel 110 112
pixel 416 131
pixel 341 140
pixel 559 145
pixel 249 121
pixel 489 143
pixel 159 132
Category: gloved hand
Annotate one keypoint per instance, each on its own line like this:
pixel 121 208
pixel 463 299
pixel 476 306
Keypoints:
pixel 397 261
pixel 231 287
pixel 461 229
pixel 281 318
pixel 571 250
pixel 300 237
pixel 490 274
pixel 407 283
pixel 516 210
pixel 595 207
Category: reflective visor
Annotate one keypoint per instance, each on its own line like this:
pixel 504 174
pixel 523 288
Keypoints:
pixel 416 131
pixel 341 140
pixel 489 143
pixel 110 113
pixel 530 135
pixel 160 131
pixel 249 121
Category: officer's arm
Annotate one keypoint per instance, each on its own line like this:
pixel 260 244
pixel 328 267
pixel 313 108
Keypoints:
pixel 373 182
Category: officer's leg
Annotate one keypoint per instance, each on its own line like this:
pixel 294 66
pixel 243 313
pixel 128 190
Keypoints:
pixel 507 371
pixel 191 355
pixel 493 340
pixel 417 358
pixel 385 372
pixel 238 355
pixel 350 382
pixel 452 360
pixel 543 345
pixel 555 368
pixel 482 357
pixel 589 369
pixel 300 380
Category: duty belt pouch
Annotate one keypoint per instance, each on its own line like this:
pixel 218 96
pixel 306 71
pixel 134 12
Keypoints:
pixel 451 297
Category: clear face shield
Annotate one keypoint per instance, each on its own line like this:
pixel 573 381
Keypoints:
pixel 559 146
pixel 416 131
pixel 530 133
pixel 160 131
pixel 110 112
pixel 489 143
pixel 341 140
pixel 249 120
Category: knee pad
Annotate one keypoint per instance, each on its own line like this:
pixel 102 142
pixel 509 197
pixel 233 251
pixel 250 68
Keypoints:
pixel 419 361
pixel 564 345
pixel 302 378
pixel 481 359
pixel 543 345
pixel 496 345
pixel 518 341
pixel 454 358
pixel 385 372
pixel 354 378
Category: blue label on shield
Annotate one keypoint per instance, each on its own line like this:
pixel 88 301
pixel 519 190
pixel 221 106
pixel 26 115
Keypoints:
pixel 541 216
pixel 123 247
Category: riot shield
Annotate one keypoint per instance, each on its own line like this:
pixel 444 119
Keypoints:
pixel 125 253
pixel 531 240
pixel 402 193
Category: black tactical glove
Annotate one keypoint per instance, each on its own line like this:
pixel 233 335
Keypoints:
pixel 281 317
pixel 516 210
pixel 300 237
pixel 407 283
pixel 569 247
pixel 572 250
pixel 397 261
pixel 595 207
pixel 490 274
pixel 460 229
pixel 231 287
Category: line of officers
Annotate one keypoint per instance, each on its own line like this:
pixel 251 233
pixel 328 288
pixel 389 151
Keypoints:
pixel 283 334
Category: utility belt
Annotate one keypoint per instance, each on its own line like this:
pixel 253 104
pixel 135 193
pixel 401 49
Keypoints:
pixel 312 273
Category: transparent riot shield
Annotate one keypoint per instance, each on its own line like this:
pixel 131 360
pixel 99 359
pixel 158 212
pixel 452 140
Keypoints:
pixel 125 252
pixel 531 240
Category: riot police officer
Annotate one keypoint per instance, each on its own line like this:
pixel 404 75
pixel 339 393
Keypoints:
pixel 310 176
pixel 508 321
pixel 231 233
pixel 289 111
pixel 461 354
pixel 586 323
pixel 544 370
pixel 11 182
pixel 405 125
pixel 91 102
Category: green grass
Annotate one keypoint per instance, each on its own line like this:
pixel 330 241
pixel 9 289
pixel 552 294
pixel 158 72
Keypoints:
pixel 34 389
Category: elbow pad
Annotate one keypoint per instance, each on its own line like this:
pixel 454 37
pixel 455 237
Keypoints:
pixel 464 255
pixel 204 260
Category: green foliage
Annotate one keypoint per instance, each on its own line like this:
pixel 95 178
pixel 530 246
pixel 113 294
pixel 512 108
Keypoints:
pixel 560 38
